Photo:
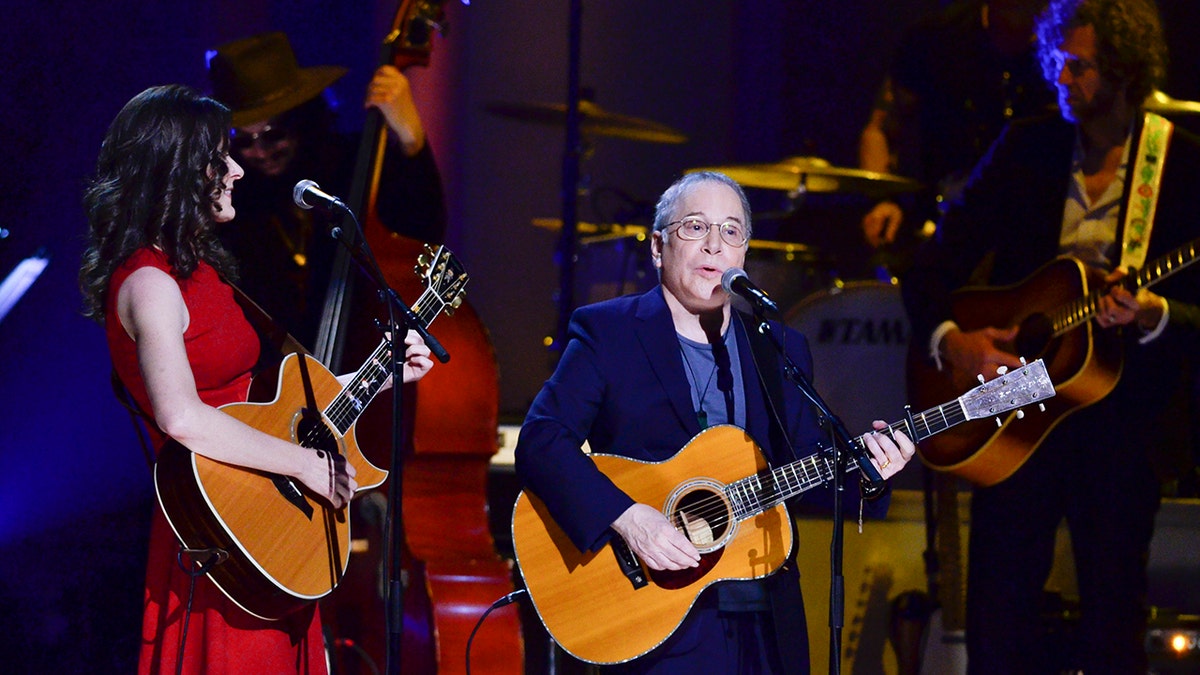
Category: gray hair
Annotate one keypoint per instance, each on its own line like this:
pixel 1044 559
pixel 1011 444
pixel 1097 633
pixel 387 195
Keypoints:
pixel 669 198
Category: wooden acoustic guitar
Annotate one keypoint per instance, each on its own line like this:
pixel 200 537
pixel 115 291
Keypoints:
pixel 286 547
pixel 1053 308
pixel 604 607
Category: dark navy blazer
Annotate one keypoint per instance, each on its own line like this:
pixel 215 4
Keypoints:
pixel 621 386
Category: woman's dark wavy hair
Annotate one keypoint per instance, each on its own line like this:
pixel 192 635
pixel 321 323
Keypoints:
pixel 1129 41
pixel 158 178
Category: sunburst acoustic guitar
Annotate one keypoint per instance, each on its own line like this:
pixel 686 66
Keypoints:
pixel 1053 308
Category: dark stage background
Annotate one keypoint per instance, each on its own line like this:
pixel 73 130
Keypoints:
pixel 752 81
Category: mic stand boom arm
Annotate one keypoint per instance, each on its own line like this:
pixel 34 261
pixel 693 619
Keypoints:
pixel 841 441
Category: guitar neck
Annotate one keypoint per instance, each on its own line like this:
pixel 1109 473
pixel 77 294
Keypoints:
pixel 1080 311
pixel 345 408
pixel 756 494
pixel 1028 384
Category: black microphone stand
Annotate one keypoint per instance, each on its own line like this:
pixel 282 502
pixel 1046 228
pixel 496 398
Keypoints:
pixel 400 320
pixel 841 444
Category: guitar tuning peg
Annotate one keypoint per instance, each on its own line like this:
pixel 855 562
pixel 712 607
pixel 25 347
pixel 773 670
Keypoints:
pixel 1023 363
pixel 1000 370
pixel 1020 414
pixel 428 248
pixel 456 302
pixel 1042 407
pixel 998 422
pixel 981 379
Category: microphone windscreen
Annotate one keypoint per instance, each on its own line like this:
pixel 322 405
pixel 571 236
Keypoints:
pixel 728 277
pixel 299 190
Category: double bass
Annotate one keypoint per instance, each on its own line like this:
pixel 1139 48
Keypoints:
pixel 451 572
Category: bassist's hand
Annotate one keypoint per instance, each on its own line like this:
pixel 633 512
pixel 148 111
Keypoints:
pixel 651 536
pixel 978 352
pixel 391 93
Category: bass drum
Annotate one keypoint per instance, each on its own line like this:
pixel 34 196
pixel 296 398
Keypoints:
pixel 858 332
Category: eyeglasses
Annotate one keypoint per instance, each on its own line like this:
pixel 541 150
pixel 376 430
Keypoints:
pixel 692 229
pixel 1073 64
pixel 244 140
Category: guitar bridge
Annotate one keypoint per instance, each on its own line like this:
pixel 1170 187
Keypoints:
pixel 292 495
pixel 630 566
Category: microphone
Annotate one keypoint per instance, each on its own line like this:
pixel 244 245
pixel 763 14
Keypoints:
pixel 735 282
pixel 308 194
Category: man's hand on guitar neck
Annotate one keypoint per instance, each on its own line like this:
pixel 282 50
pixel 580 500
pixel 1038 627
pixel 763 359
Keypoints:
pixel 655 541
pixel 1119 307
pixel 979 352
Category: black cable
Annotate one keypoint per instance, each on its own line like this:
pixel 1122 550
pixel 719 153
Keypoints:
pixel 506 600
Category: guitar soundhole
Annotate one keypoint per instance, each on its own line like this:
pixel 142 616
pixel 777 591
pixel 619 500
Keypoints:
pixel 312 432
pixel 1034 335
pixel 703 515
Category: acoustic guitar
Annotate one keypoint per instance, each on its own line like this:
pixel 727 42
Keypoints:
pixel 286 547
pixel 1052 309
pixel 605 607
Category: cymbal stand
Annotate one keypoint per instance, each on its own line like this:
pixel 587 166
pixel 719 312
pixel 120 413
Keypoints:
pixel 572 153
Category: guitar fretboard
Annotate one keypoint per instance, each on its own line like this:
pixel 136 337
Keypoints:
pixel 1028 384
pixel 1066 318
pixel 754 494
pixel 344 410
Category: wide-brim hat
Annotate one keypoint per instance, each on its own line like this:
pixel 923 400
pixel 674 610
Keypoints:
pixel 258 78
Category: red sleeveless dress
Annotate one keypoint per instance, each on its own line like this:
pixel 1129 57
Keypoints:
pixel 222 348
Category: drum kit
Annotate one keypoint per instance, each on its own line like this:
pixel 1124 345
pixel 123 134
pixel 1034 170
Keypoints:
pixel 860 322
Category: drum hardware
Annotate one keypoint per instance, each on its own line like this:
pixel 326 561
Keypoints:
pixel 593 121
pixel 802 175
pixel 858 332
pixel 1159 102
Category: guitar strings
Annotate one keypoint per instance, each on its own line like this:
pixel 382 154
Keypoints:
pixel 373 373
pixel 745 501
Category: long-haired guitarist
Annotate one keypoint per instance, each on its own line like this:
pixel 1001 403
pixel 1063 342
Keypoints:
pixel 154 274
pixel 640 377
pixel 1113 188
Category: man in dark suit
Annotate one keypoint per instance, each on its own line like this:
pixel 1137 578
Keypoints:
pixel 640 377
pixel 1075 184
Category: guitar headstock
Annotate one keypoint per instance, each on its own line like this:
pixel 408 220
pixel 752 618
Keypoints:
pixel 1021 387
pixel 445 281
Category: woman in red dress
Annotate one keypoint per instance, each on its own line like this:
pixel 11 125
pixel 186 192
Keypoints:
pixel 154 275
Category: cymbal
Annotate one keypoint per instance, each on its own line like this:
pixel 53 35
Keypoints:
pixel 813 174
pixel 593 120
pixel 607 231
pixel 1161 103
